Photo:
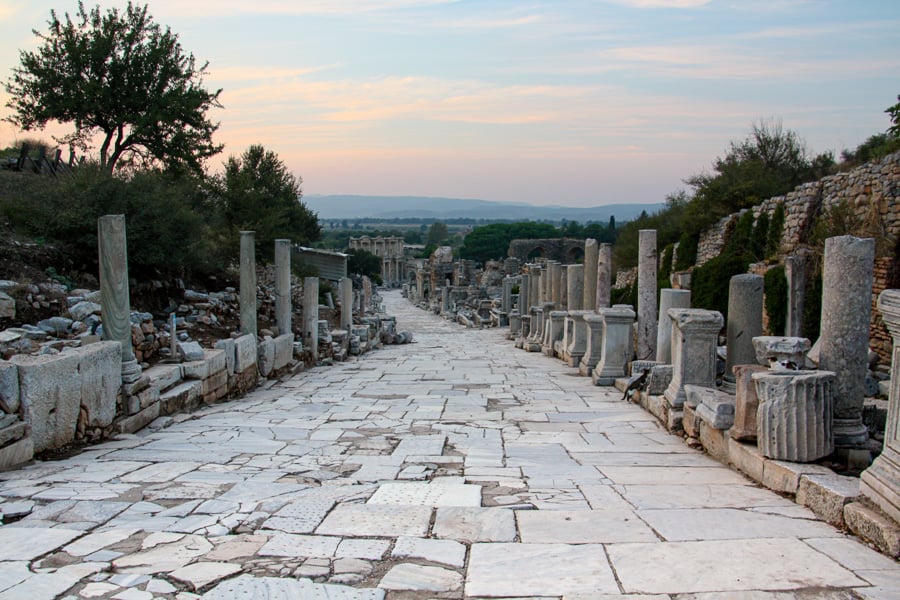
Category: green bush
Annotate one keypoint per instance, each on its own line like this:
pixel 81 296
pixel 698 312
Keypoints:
pixel 709 283
pixel 812 308
pixel 776 228
pixel 625 295
pixel 687 251
pixel 776 299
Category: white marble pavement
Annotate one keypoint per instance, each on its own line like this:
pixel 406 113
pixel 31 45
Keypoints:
pixel 454 467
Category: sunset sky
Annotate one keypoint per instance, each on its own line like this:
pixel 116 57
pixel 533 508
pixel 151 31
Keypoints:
pixel 576 103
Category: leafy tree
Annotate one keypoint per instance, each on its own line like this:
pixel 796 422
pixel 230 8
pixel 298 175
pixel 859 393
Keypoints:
pixel 776 228
pixel 363 262
pixel 122 76
pixel 437 234
pixel 492 241
pixel 770 162
pixel 256 192
pixel 894 112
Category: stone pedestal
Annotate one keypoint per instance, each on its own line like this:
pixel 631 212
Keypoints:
pixel 563 291
pixel 575 287
pixel 445 300
pixel 311 315
pixel 646 304
pixel 745 312
pixel 616 347
pixel 578 337
pixel 515 324
pixel 557 329
pixel 604 275
pixel 881 481
pixel 591 257
pixel 346 303
pixel 668 298
pixel 593 343
pixel 794 414
pixel 847 279
pixel 506 296
pixel 248 282
pixel 795 272
pixel 694 335
pixel 114 293
pixel 746 402
pixel 283 286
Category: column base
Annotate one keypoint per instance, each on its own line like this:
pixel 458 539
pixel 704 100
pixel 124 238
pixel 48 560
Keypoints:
pixel 881 482
pixel 850 433
pixel 131 371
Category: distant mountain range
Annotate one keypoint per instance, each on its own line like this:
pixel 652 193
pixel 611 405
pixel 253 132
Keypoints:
pixel 391 207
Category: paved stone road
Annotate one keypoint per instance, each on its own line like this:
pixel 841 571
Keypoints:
pixel 455 467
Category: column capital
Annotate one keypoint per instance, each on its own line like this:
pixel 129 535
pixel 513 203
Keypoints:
pixel 889 306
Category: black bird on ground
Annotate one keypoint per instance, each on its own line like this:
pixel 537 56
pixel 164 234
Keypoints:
pixel 636 382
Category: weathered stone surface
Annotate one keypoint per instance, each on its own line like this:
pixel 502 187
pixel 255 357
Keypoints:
pixel 50 391
pixel 770 348
pixel 210 363
pixel 9 387
pixel 826 495
pixel 17 453
pixel 421 578
pixel 248 283
pixel 114 293
pixel 668 298
pixel 190 351
pixel 745 311
pixel 794 411
pixel 266 356
pixel 164 376
pixel 227 346
pixel 873 527
pixel 616 347
pixel 745 402
pixel 7 306
pixel 99 368
pixel 847 279
pixel 646 309
pixel 245 353
pixel 284 351
pixel 84 309
pixel 693 350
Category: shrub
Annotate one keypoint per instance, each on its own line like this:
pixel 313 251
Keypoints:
pixel 709 284
pixel 776 228
pixel 776 299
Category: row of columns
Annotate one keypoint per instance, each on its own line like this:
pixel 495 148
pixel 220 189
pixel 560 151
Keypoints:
pixel 115 298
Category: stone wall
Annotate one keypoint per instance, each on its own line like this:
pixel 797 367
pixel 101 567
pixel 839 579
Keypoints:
pixel 871 190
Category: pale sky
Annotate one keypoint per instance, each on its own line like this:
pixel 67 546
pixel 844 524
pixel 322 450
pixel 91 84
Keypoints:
pixel 575 103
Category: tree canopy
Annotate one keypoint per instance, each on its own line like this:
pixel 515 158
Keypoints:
pixel 121 77
pixel 492 241
pixel 257 192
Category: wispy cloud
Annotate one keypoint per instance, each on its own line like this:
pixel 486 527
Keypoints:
pixel 662 3
pixel 220 8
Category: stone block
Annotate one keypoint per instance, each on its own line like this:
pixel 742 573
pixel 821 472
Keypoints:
pixel 84 309
pixel 163 377
pixel 13 431
pixel 770 348
pixel 17 453
pixel 746 402
pixel 50 392
pixel 138 421
pixel 181 397
pixel 7 306
pixel 228 346
pixel 746 459
pixel 659 379
pixel 284 351
pixel 713 407
pixel 214 382
pixel 190 351
pixel 783 476
pixel 874 527
pixel 826 495
pixel 9 388
pixel 714 441
pixel 137 386
pixel 265 356
pixel 212 362
pixel 148 397
pixel 100 369
pixel 245 353
pixel 691 422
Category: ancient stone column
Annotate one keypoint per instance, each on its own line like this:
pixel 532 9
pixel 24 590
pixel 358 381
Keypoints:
pixel 795 272
pixel 745 313
pixel 575 286
pixel 881 481
pixel 524 293
pixel 591 257
pixel 311 315
pixel 616 347
pixel 445 300
pixel 346 304
pixel 794 414
pixel 668 298
pixel 577 336
pixel 248 282
pixel 604 275
pixel 847 279
pixel 694 336
pixel 563 287
pixel 283 286
pixel 593 343
pixel 646 305
pixel 555 292
pixel 114 294
pixel 506 297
